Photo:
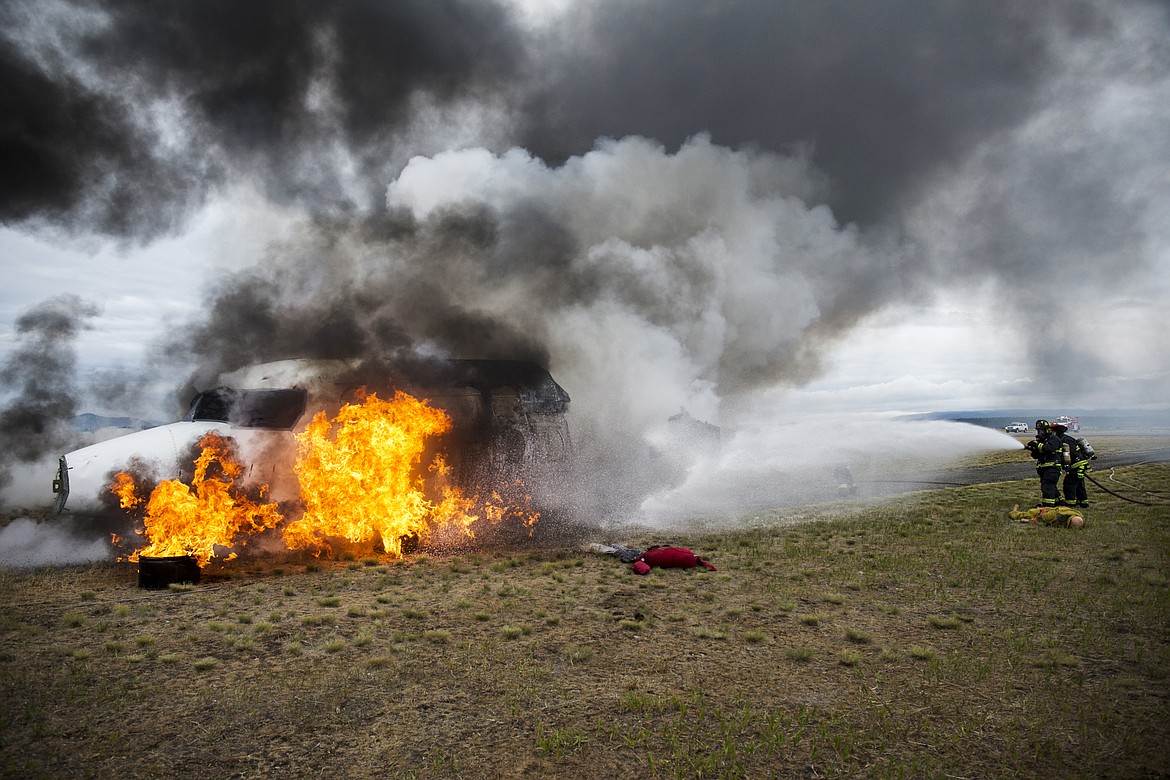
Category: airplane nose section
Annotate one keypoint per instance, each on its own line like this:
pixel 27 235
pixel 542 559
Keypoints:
pixel 61 486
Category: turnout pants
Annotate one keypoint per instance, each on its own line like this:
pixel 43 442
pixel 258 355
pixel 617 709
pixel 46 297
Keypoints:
pixel 1075 491
pixel 1049 485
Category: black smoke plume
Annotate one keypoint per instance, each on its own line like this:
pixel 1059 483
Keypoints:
pixel 38 382
pixel 886 92
pixel 130 113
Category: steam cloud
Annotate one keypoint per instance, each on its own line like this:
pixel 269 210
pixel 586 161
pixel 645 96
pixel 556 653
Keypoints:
pixel 670 204
pixel 25 543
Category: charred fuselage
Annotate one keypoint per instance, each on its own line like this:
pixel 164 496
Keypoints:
pixel 508 425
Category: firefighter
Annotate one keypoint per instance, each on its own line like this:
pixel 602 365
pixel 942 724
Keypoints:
pixel 1045 449
pixel 1075 465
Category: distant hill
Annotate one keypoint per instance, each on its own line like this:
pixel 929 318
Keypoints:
pixel 1107 419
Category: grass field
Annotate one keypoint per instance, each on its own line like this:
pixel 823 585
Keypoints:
pixel 927 635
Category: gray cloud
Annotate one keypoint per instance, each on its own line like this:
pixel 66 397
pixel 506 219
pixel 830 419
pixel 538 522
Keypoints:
pixel 859 154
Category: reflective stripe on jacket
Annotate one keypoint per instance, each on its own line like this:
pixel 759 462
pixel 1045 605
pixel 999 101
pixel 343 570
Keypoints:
pixel 1047 455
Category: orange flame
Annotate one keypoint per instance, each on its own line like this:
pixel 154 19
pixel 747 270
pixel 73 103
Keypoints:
pixel 211 512
pixel 497 509
pixel 126 490
pixel 360 480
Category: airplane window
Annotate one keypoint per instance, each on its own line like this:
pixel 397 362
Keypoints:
pixel 249 408
pixel 211 405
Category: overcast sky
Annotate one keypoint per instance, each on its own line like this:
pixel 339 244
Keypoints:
pixel 832 206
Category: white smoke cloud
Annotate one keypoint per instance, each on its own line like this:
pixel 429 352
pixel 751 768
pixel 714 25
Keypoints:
pixel 694 274
pixel 769 465
pixel 702 281
pixel 25 543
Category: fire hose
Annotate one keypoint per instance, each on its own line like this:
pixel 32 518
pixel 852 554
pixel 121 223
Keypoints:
pixel 910 482
pixel 1159 494
pixel 1118 495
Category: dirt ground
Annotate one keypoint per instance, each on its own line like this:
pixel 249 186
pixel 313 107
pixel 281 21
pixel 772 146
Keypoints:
pixel 921 636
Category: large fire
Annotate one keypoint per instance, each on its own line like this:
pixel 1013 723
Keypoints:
pixel 371 475
pixel 362 481
pixel 212 512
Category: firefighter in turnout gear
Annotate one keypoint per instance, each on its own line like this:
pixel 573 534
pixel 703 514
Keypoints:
pixel 1045 449
pixel 1075 456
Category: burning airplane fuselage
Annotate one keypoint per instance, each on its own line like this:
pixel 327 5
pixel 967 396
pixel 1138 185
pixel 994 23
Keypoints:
pixel 381 454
